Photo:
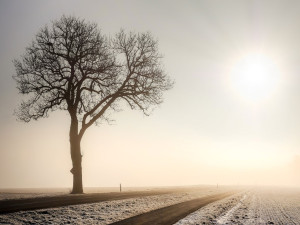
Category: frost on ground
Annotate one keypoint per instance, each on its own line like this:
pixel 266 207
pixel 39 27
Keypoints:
pixel 210 213
pixel 272 207
pixel 252 207
pixel 103 212
pixel 6 194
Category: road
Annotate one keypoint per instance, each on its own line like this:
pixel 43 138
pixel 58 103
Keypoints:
pixel 171 214
pixel 16 205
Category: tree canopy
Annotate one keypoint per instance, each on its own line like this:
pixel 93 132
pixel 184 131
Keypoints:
pixel 72 66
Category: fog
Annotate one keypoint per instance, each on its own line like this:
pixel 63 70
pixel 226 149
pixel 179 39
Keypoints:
pixel 207 131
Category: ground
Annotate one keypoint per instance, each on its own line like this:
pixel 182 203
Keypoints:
pixel 247 206
pixel 254 206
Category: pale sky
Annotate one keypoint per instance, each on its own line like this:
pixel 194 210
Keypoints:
pixel 212 128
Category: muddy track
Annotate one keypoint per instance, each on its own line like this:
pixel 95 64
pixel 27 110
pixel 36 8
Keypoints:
pixel 16 205
pixel 171 214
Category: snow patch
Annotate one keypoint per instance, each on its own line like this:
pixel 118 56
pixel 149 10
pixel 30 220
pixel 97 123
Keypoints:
pixel 259 206
pixel 103 212
pixel 225 218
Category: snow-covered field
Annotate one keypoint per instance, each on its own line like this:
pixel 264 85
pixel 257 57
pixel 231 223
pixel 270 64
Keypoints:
pixel 42 192
pixel 256 206
pixel 104 212
pixel 253 206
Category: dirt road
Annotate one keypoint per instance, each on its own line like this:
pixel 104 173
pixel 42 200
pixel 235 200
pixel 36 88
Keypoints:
pixel 15 205
pixel 171 214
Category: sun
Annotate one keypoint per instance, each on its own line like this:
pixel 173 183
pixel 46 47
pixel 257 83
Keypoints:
pixel 255 77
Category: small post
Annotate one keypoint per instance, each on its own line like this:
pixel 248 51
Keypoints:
pixel 120 187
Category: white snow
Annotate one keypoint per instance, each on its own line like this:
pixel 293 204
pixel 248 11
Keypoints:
pixel 256 206
pixel 103 212
pixel 225 218
pixel 211 212
pixel 22 193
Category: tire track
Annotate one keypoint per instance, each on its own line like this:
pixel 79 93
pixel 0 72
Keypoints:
pixel 16 205
pixel 171 214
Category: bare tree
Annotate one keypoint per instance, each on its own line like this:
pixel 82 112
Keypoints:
pixel 72 66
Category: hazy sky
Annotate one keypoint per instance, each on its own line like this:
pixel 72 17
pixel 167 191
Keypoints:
pixel 212 127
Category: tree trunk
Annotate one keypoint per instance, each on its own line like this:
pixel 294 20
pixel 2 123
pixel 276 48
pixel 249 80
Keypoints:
pixel 76 157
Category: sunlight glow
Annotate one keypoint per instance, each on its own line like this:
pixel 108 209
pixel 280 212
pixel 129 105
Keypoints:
pixel 255 77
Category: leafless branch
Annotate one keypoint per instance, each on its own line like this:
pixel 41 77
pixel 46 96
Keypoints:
pixel 71 66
